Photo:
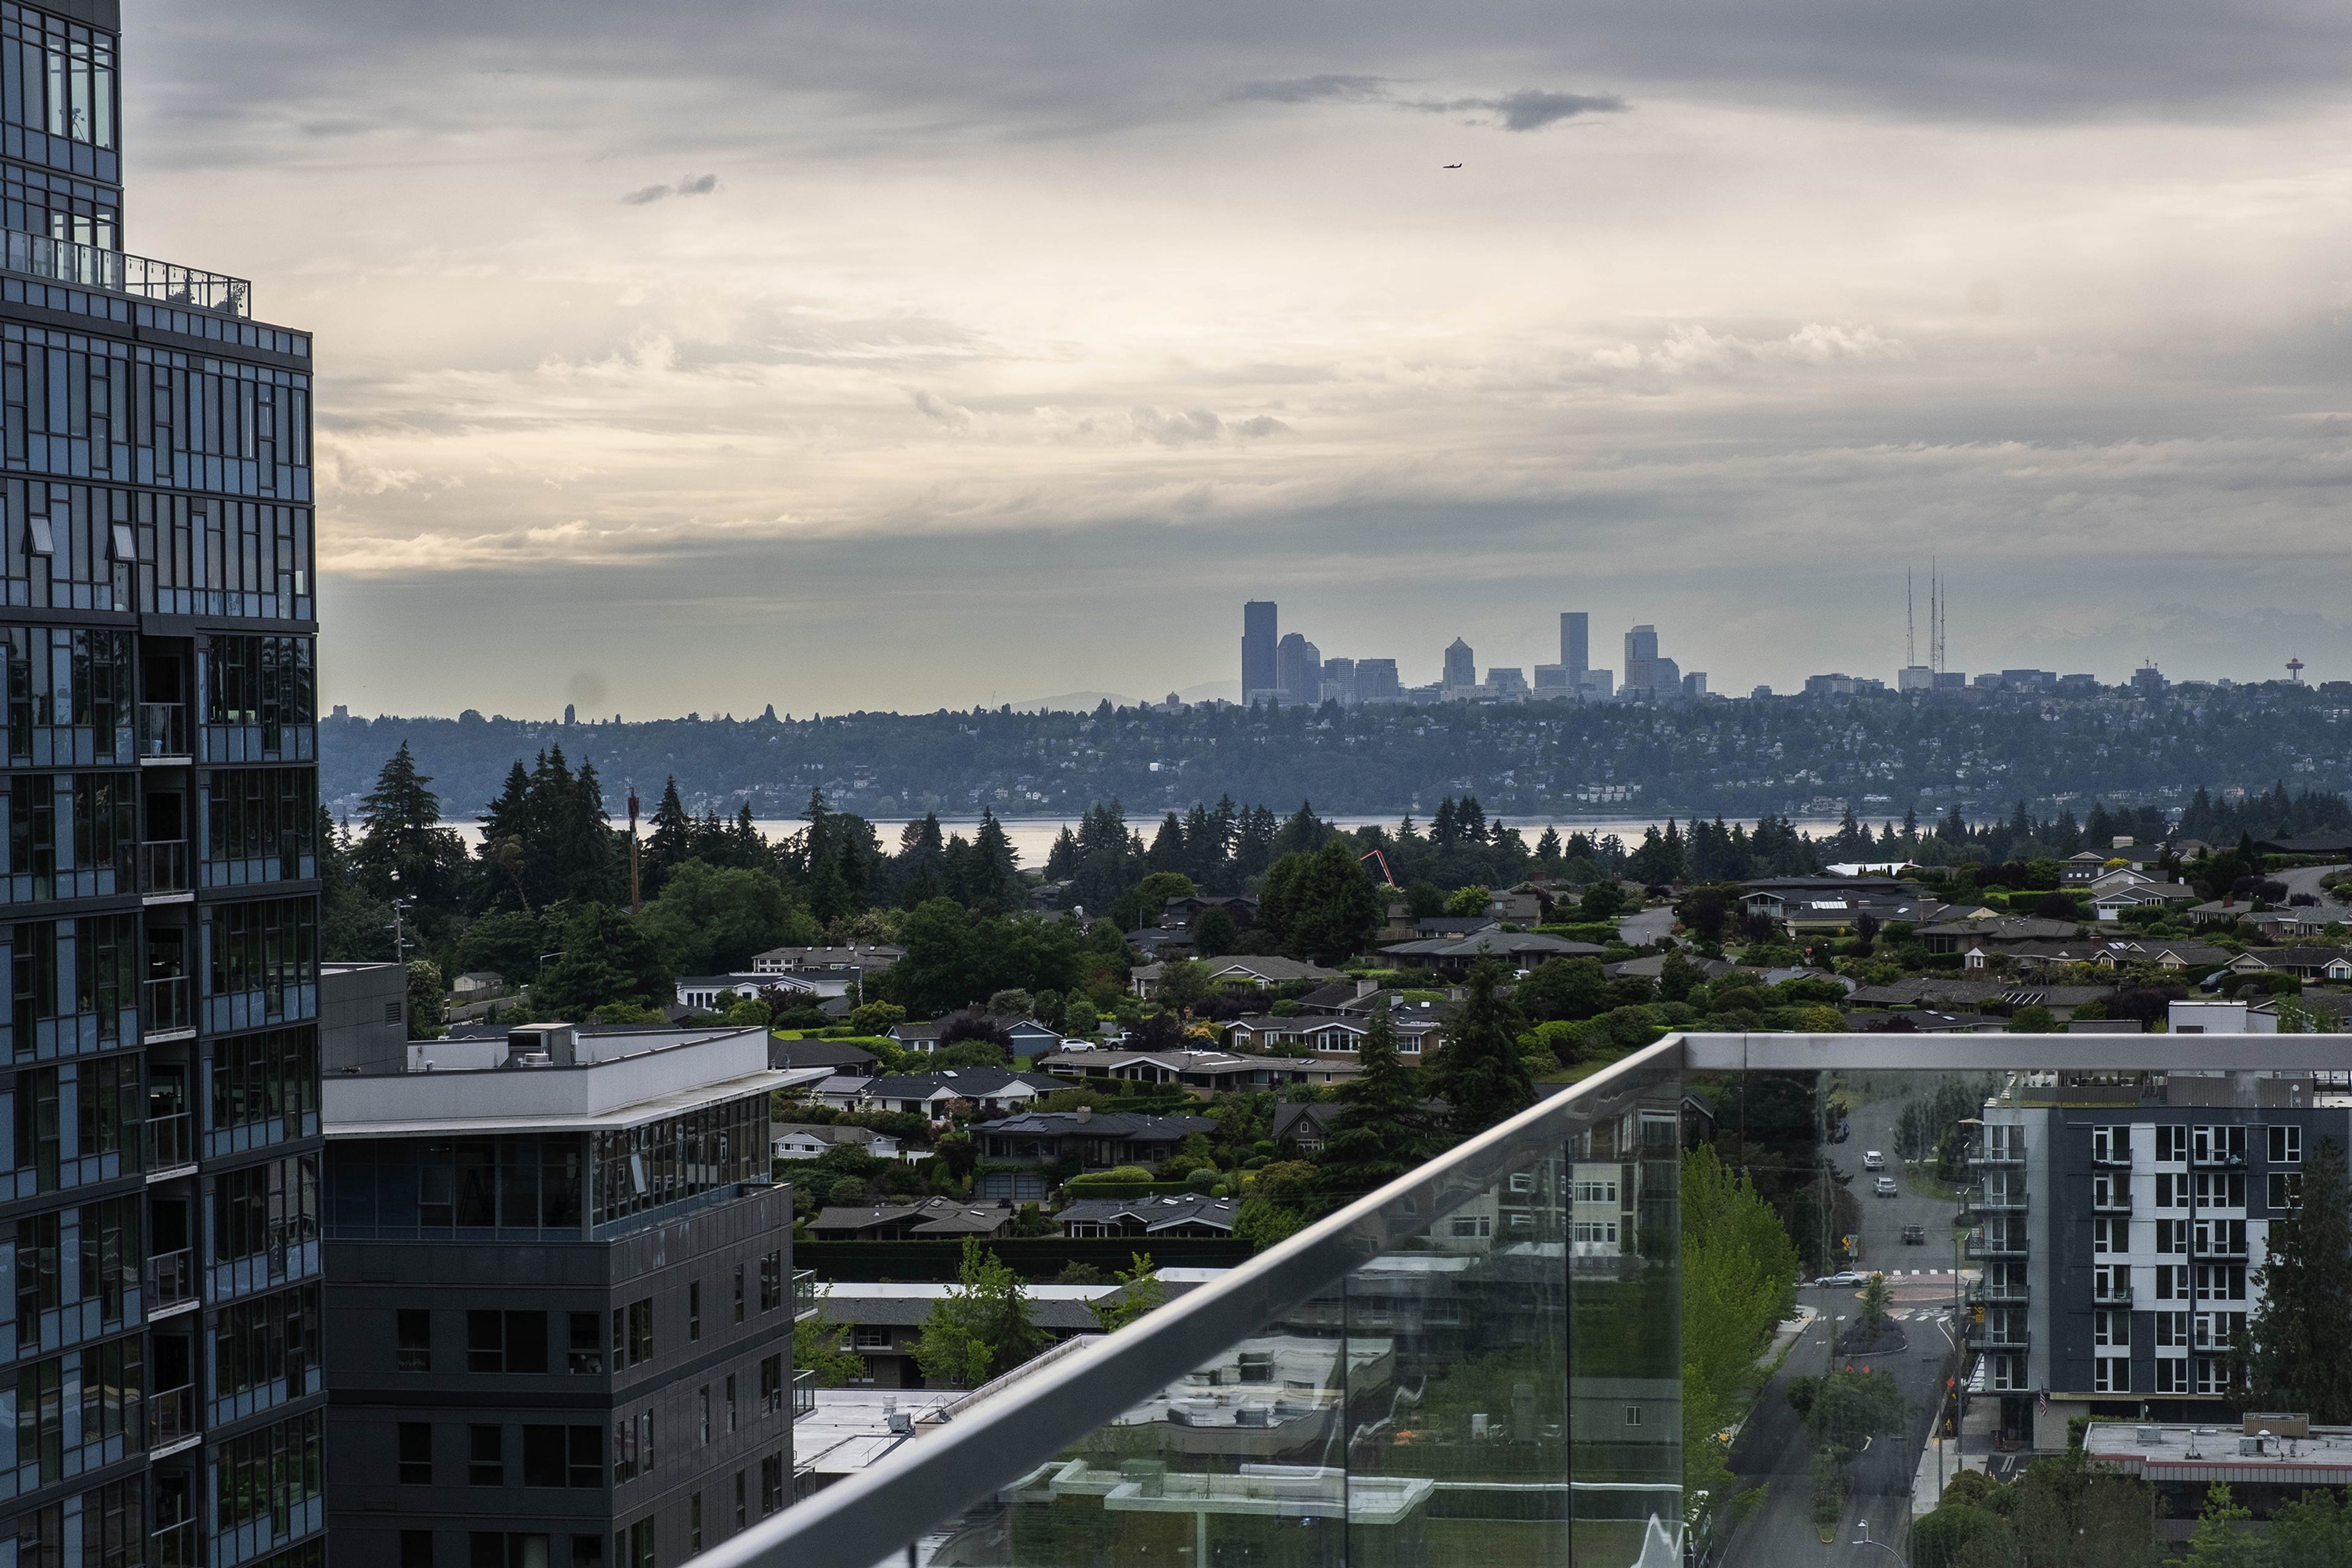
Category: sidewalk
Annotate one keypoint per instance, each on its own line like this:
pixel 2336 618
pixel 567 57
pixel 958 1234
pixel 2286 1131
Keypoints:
pixel 1946 1457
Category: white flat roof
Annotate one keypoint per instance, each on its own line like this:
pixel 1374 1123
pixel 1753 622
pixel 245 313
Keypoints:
pixel 622 1080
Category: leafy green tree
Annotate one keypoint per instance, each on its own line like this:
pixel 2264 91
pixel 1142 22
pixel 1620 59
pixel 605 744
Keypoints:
pixel 1467 902
pixel 1213 934
pixel 1079 1017
pixel 1275 1206
pixel 982 1326
pixel 2219 1540
pixel 1738 1273
pixel 1143 905
pixel 1569 988
pixel 2300 1357
pixel 956 957
pixel 508 943
pixel 817 1347
pixel 2314 1531
pixel 2034 1020
pixel 426 998
pixel 1851 1406
pixel 1140 1292
pixel 1381 1128
pixel 875 1017
pixel 1873 1304
pixel 402 849
pixel 1320 907
pixel 1604 901
pixel 669 845
pixel 1479 1071
pixel 605 958
pixel 708 920
pixel 1183 984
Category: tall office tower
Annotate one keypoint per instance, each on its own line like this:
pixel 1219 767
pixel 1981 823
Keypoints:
pixel 1339 683
pixel 1641 658
pixel 1259 677
pixel 1575 645
pixel 1298 670
pixel 1460 666
pixel 158 628
pixel 1376 681
pixel 563 1299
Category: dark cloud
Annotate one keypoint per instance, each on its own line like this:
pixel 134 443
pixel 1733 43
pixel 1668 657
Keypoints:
pixel 1532 109
pixel 1260 424
pixel 1314 89
pixel 644 196
pixel 699 185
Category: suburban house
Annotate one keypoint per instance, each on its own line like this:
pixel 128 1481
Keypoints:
pixel 2110 899
pixel 701 992
pixel 1416 1024
pixel 1158 942
pixel 948 1218
pixel 1183 1214
pixel 1029 1038
pixel 1091 1139
pixel 1183 914
pixel 1302 1127
pixel 1238 970
pixel 1518 909
pixel 931 1094
pixel 1519 949
pixel 870 958
pixel 1203 1073
pixel 2164 952
pixel 885 1320
pixel 846 1060
pixel 2304 962
pixel 810 1141
pixel 1994 933
pixel 476 985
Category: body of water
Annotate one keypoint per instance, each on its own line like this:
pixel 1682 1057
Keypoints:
pixel 1033 837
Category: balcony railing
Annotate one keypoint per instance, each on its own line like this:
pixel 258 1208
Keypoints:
pixel 171 1141
pixel 2113 1296
pixel 1995 1157
pixel 806 1295
pixel 172 1415
pixel 804 1393
pixel 163 865
pixel 1261 1437
pixel 1998 1293
pixel 2112 1202
pixel 162 730
pixel 1990 1335
pixel 175 1546
pixel 2220 1160
pixel 2112 1159
pixel 1997 1200
pixel 171 1280
pixel 164 1006
pixel 165 282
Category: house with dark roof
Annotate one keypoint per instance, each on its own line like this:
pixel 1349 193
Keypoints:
pixel 1202 1073
pixel 1340 1034
pixel 1185 912
pixel 1089 1139
pixel 2303 963
pixel 934 1219
pixel 1518 950
pixel 1241 972
pixel 814 1140
pixel 1302 1127
pixel 932 1094
pixel 846 1060
pixel 863 958
pixel 885 1322
pixel 1173 1214
pixel 1994 933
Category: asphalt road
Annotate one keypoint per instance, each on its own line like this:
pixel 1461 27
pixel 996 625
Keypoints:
pixel 2306 879
pixel 1773 1449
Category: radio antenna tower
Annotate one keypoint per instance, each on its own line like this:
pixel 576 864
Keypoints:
pixel 1910 622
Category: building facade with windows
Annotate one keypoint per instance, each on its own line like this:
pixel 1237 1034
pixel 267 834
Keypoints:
pixel 158 862
pixel 2120 1224
pixel 560 1282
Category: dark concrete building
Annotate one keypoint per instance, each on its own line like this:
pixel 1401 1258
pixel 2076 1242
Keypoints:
pixel 560 1286
pixel 158 859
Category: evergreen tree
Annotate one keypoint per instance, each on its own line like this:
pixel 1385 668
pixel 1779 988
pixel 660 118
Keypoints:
pixel 1062 859
pixel 403 851
pixel 2301 1351
pixel 1479 1071
pixel 1320 906
pixel 996 867
pixel 1547 847
pixel 1167 852
pixel 606 959
pixel 669 845
pixel 1381 1130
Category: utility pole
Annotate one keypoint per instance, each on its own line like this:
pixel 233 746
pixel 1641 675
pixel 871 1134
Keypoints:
pixel 399 932
pixel 633 847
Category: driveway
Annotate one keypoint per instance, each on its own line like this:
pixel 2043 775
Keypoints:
pixel 2306 879
pixel 1646 926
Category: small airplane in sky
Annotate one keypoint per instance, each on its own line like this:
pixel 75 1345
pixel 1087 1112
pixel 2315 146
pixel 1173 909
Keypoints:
pixel 1452 165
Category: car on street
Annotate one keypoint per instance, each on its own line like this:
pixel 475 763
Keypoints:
pixel 1844 1277
pixel 1872 1160
pixel 1915 1236
pixel 1885 1187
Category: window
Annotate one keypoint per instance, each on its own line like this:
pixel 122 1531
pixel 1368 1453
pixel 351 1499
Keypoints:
pixel 2171 1328
pixel 2111 1145
pixel 634 1547
pixel 633 1445
pixel 2110 1232
pixel 1602 1231
pixel 2285 1190
pixel 739 1292
pixel 771 1384
pixel 2172 1235
pixel 1596 1192
pixel 772 1484
pixel 267 1473
pixel 2221 1237
pixel 2223 1190
pixel 43 540
pixel 264 1340
pixel 771 1281
pixel 415 1454
pixel 2172 1144
pixel 2171 1191
pixel 495 1549
pixel 2213 1373
pixel 694 1522
pixel 416 1549
pixel 587 1552
pixel 587 1347
pixel 2172 1374
pixel 2111 1328
pixel 730 1399
pixel 414 1338
pixel 583 1455
pixel 694 1315
pixel 1632 1415
pixel 2111 1190
pixel 2111 1283
pixel 486 1462
pixel 743 1517
pixel 705 1402
pixel 2111 1374
pixel 633 1334
pixel 2286 1145
pixel 543 1454
pixel 506 1341
pixel 2218 1145
pixel 1470 1227
pixel 870 1338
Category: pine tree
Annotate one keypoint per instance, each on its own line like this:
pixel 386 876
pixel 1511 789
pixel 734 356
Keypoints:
pixel 403 851
pixel 2301 1353
pixel 996 866
pixel 1479 1071
pixel 1381 1128
pixel 671 843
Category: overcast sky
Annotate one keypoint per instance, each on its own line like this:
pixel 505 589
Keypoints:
pixel 885 355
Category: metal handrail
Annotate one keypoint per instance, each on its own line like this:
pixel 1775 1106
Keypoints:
pixel 165 282
pixel 871 1517
pixel 163 865
pixel 162 730
pixel 171 1278
pixel 805 1294
pixel 163 1004
pixel 2113 1296
pixel 172 1414
pixel 804 1392
pixel 171 1140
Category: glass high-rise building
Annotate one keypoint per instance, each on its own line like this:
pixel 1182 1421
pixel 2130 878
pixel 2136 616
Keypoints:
pixel 159 1206
pixel 1260 676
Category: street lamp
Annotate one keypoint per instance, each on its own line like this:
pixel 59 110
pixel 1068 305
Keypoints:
pixel 1864 1525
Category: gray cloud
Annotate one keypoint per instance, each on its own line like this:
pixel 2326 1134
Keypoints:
pixel 1314 89
pixel 1530 109
pixel 698 186
pixel 701 186
pixel 644 196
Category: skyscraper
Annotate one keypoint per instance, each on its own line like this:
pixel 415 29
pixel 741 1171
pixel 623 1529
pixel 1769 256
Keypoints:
pixel 1460 666
pixel 1259 636
pixel 1298 670
pixel 163 782
pixel 1641 658
pixel 1575 646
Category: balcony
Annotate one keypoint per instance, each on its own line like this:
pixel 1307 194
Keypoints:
pixel 171 1145
pixel 163 731
pixel 1998 1293
pixel 2111 1159
pixel 2110 1202
pixel 1996 1200
pixel 805 1294
pixel 1990 1158
pixel 171 1278
pixel 164 869
pixel 2113 1296
pixel 164 1009
pixel 164 282
pixel 1235 1424
pixel 175 1546
pixel 804 1393
pixel 172 1419
pixel 2219 1159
